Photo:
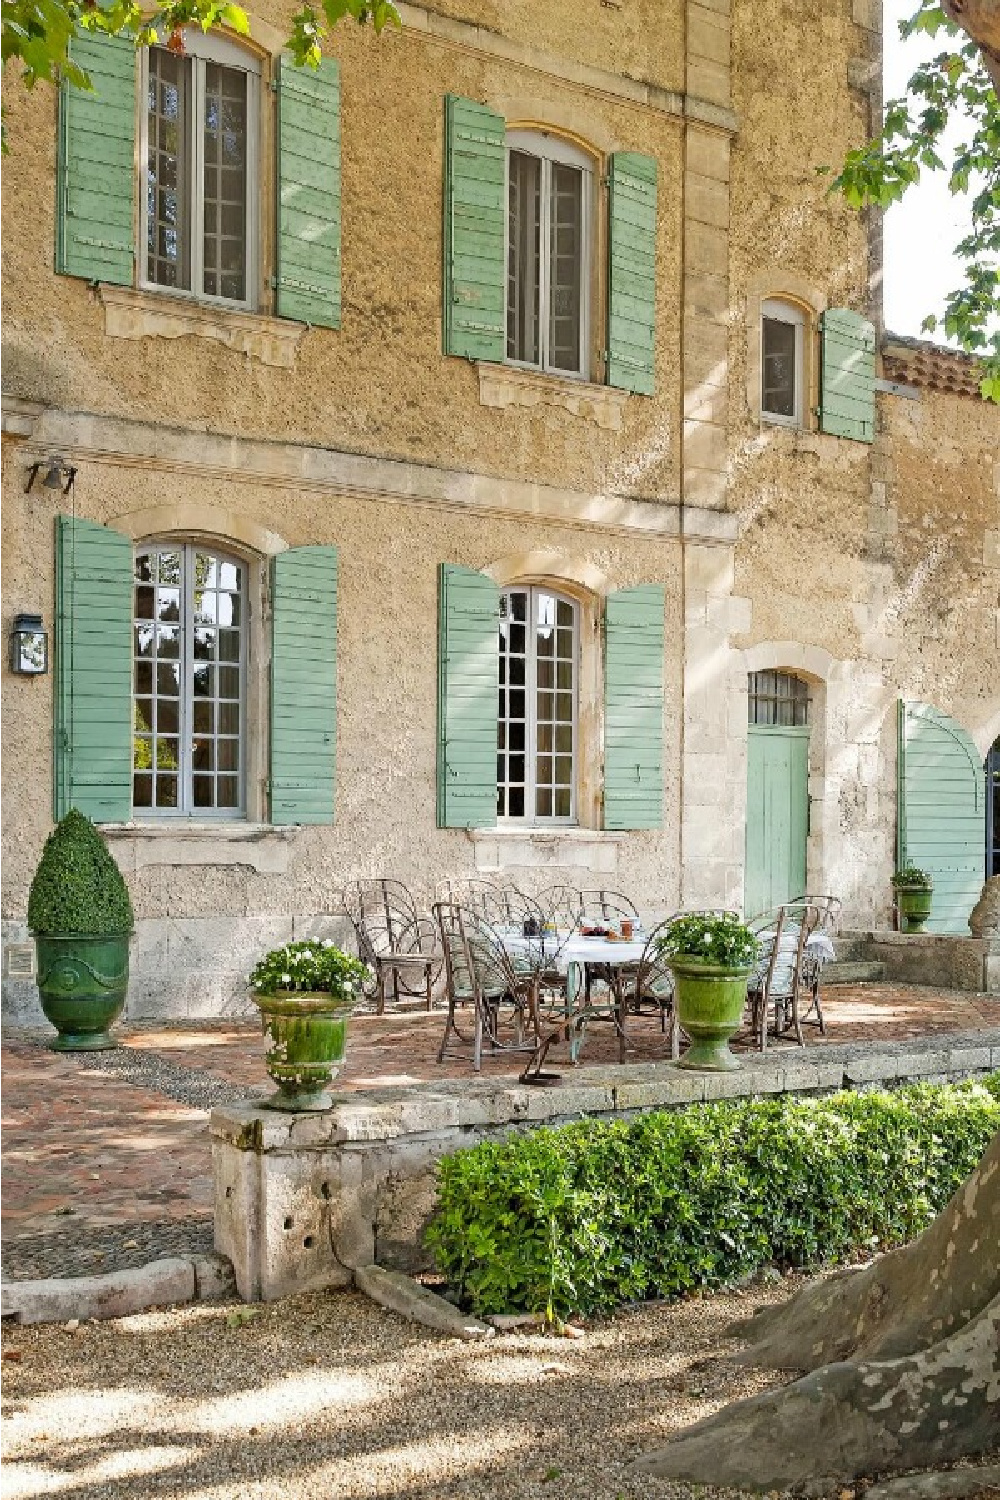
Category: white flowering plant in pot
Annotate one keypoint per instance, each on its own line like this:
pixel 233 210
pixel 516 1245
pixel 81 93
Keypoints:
pixel 310 967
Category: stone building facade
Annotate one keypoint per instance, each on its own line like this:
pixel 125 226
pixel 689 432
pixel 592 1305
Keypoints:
pixel 560 324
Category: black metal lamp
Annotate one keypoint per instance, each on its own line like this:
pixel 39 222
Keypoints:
pixel 58 475
pixel 29 646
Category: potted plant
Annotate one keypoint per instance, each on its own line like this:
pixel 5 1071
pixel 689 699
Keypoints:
pixel 306 993
pixel 710 957
pixel 913 889
pixel 80 915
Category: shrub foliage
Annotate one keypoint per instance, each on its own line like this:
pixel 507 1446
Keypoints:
pixel 587 1216
pixel 78 888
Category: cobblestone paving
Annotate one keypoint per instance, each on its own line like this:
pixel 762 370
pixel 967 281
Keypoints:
pixel 106 1155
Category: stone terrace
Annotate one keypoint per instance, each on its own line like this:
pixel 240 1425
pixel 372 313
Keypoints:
pixel 106 1155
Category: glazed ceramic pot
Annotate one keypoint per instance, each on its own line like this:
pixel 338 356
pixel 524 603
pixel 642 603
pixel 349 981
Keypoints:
pixel 82 983
pixel 710 1000
pixel 914 903
pixel 308 1031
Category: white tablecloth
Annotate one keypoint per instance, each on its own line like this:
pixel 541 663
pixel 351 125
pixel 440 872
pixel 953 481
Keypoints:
pixel 577 950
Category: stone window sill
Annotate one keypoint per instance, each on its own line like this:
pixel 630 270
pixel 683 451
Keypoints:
pixel 546 848
pixel 131 314
pixel 506 385
pixel 257 846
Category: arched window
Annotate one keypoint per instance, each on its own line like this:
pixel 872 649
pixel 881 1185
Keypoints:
pixel 199 182
pixel 548 252
pixel 536 725
pixel 778 698
pixel 782 363
pixel 189 681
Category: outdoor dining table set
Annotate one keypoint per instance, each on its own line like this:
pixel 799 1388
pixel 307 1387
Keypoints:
pixel 520 972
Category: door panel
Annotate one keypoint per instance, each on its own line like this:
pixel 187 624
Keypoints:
pixel 942 801
pixel 777 816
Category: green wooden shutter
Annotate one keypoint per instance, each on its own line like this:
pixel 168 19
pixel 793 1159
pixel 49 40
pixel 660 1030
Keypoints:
pixel 941 809
pixel 95 181
pixel 633 708
pixel 631 271
pixel 303 685
pixel 468 684
pixel 475 230
pixel 93 672
pixel 309 192
pixel 847 391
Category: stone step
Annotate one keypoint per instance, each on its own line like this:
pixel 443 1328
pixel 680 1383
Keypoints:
pixel 850 946
pixel 852 971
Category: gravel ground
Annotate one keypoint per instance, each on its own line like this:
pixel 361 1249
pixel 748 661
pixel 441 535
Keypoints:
pixel 327 1397
pixel 91 1249
pixel 149 1070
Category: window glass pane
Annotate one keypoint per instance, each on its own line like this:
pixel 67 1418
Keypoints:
pixel 565 265
pixel 224 134
pixel 550 666
pixel 778 373
pixel 168 258
pixel 523 249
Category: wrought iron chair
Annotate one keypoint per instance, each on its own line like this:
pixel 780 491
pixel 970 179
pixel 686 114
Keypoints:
pixel 475 894
pixel 813 962
pixel 562 905
pixel 778 984
pixel 478 969
pixel 394 940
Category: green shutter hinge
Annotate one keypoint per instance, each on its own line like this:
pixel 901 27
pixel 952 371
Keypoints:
pixel 273 85
pixel 272 282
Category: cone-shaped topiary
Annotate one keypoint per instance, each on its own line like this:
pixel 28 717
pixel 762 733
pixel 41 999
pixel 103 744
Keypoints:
pixel 77 886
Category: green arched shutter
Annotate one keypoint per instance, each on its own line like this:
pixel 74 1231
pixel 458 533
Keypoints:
pixel 309 192
pixel 96 167
pixel 633 708
pixel 303 685
pixel 941 811
pixel 93 671
pixel 468 688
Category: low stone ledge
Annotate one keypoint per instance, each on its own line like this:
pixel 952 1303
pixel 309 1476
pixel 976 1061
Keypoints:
pixel 115 1295
pixel 402 1295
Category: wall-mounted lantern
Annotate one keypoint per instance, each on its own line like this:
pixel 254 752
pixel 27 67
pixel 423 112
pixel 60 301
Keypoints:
pixel 29 646
pixel 58 475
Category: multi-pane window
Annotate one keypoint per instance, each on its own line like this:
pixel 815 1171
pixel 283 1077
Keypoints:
pixel 199 205
pixel 778 698
pixel 536 726
pixel 548 206
pixel 189 651
pixel 781 363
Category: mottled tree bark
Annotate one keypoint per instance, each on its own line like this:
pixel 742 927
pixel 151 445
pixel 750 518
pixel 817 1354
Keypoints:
pixel 980 20
pixel 904 1359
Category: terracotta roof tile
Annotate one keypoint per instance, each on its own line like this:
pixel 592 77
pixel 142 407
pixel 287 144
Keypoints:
pixel 929 366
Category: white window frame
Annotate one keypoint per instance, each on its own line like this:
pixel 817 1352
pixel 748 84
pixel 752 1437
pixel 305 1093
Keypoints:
pixel 531 819
pixel 552 149
pixel 202 48
pixel 185 809
pixel 779 311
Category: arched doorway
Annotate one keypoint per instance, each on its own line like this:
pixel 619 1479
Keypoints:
pixel 777 789
pixel 993 810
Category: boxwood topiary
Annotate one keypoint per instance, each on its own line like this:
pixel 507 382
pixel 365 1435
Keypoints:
pixel 78 888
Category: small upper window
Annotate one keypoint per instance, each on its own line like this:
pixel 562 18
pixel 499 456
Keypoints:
pixel 782 363
pixel 199 207
pixel 189 681
pixel 548 253
pixel 779 699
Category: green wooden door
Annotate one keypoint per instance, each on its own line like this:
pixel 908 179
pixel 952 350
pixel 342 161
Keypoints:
pixel 777 815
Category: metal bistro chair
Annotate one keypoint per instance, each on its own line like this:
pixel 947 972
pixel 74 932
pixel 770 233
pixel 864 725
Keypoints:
pixel 478 969
pixel 813 960
pixel 396 942
pixel 476 895
pixel 562 905
pixel 778 984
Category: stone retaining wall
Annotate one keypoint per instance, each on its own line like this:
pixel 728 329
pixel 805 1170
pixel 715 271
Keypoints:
pixel 301 1201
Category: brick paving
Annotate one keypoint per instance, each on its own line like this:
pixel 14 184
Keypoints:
pixel 106 1156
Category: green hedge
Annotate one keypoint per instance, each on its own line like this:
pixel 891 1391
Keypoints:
pixel 588 1216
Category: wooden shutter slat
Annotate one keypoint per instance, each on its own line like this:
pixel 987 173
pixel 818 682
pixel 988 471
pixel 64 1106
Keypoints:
pixel 309 193
pixel 941 791
pixel 93 672
pixel 631 272
pixel 468 686
pixel 633 708
pixel 304 685
pixel 847 385
pixel 475 230
pixel 96 165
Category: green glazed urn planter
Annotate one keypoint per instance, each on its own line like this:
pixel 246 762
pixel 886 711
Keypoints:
pixel 710 1000
pixel 82 983
pixel 308 1031
pixel 914 903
